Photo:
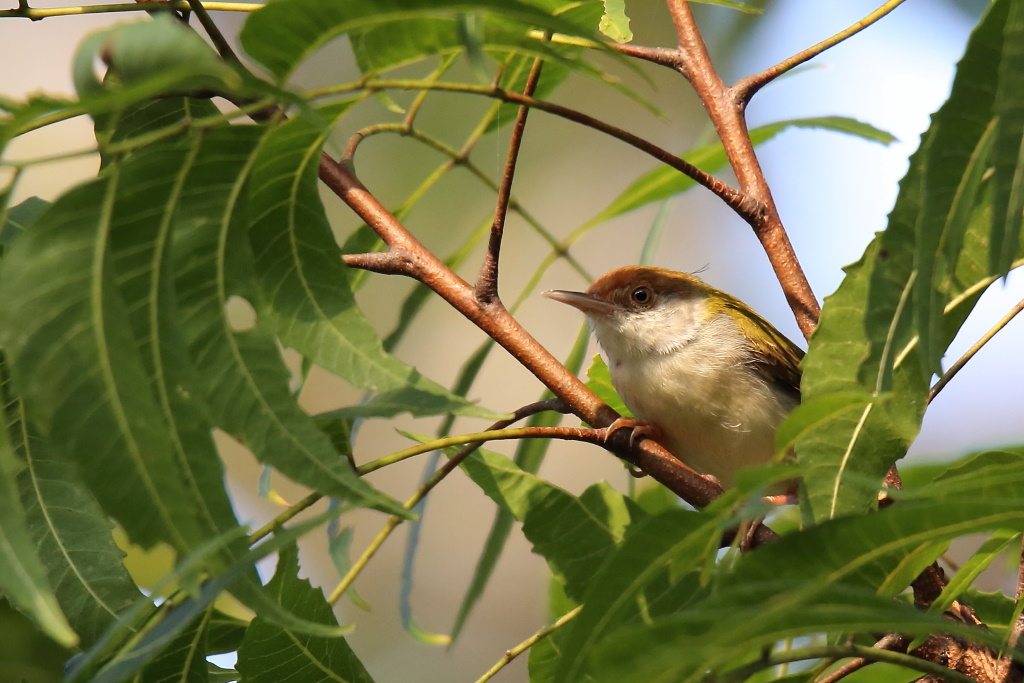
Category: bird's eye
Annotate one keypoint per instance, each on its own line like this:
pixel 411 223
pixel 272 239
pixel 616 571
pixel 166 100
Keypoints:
pixel 641 295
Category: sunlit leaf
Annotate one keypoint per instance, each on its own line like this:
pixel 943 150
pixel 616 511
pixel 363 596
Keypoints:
pixel 614 22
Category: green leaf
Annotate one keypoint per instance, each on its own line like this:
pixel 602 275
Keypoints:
pixel 146 58
pixel 184 659
pixel 23 577
pixel 955 157
pixel 614 22
pixel 528 457
pixel 995 609
pixel 305 296
pixel 164 624
pixel 675 540
pixel 145 123
pixel 73 538
pixel 572 533
pixel 244 381
pixel 600 383
pixel 992 548
pixel 284 33
pixel 18 218
pixel 867 337
pixel 731 627
pixel 663 182
pixel 75 363
pixel 270 654
pixel 868 549
pixel 1008 202
pixel 817 411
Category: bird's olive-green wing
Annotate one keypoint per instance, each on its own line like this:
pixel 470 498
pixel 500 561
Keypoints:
pixel 776 357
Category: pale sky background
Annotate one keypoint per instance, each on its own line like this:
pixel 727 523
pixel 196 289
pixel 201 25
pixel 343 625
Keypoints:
pixel 833 192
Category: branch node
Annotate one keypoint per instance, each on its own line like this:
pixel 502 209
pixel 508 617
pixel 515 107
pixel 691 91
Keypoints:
pixel 394 262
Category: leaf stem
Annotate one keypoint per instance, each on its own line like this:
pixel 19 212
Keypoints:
pixel 218 39
pixel 477 438
pixel 971 352
pixel 746 87
pixel 870 654
pixel 36 13
pixel 528 643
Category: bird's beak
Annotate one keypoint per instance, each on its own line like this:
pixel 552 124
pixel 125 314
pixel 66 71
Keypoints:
pixel 587 303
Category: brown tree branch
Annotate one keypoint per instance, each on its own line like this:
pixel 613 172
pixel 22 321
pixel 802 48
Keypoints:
pixel 726 112
pixel 891 642
pixel 1007 670
pixel 487 280
pixel 418 262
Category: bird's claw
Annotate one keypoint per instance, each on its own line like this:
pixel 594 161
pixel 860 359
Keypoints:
pixel 639 427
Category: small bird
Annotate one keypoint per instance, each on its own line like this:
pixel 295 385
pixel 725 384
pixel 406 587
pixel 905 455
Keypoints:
pixel 711 376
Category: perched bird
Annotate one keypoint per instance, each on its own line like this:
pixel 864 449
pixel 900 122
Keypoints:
pixel 711 376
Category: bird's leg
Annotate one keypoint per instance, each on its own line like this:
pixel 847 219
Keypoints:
pixel 639 428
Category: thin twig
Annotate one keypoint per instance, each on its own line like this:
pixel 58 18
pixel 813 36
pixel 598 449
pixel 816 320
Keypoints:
pixel 594 436
pixel 219 41
pixel 38 13
pixel 487 280
pixel 971 352
pixel 890 642
pixel 756 205
pixel 443 471
pixel 528 643
pixel 499 324
pixel 731 196
pixel 311 499
pixel 746 87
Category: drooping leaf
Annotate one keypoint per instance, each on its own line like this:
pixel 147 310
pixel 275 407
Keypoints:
pixel 304 290
pixel 572 533
pixel 23 577
pixel 675 540
pixel 75 363
pixel 270 654
pixel 244 381
pixel 73 538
